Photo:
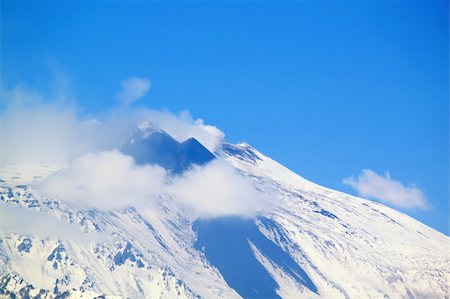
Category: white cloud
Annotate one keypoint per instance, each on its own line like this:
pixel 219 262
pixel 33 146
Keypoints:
pixel 106 180
pixel 111 180
pixel 37 128
pixel 42 129
pixel 385 189
pixel 35 131
pixel 25 221
pixel 183 126
pixel 216 190
pixel 133 89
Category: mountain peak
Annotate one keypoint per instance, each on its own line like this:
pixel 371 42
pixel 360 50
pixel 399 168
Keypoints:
pixel 191 151
pixel 151 145
pixel 242 151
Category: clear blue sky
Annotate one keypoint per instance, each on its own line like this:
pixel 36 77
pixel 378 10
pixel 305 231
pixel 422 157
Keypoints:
pixel 326 88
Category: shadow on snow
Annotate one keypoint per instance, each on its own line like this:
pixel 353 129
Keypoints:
pixel 225 243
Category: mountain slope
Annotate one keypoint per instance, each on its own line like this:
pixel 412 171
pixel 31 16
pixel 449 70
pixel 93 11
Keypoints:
pixel 312 242
pixel 354 247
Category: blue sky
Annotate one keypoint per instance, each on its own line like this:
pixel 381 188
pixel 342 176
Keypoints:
pixel 326 88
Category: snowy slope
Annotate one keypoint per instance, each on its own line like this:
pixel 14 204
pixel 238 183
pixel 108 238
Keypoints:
pixel 313 242
pixel 351 247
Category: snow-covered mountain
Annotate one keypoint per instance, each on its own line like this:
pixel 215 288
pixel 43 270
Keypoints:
pixel 313 242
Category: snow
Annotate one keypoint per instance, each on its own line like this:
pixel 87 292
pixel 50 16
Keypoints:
pixel 347 246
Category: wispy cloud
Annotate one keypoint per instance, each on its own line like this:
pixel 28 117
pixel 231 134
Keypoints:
pixel 183 126
pixel 40 129
pixel 385 189
pixel 34 130
pixel 47 128
pixel 25 221
pixel 133 89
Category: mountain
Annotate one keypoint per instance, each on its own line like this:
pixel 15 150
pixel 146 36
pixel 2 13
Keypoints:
pixel 313 242
pixel 150 145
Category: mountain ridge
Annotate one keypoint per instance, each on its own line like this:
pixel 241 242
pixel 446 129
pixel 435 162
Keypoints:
pixel 156 147
pixel 313 242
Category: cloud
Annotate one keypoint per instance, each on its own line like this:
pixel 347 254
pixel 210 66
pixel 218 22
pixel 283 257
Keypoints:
pixel 112 180
pixel 183 126
pixel 385 189
pixel 217 190
pixel 133 89
pixel 36 128
pixel 17 220
pixel 47 129
pixel 106 180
